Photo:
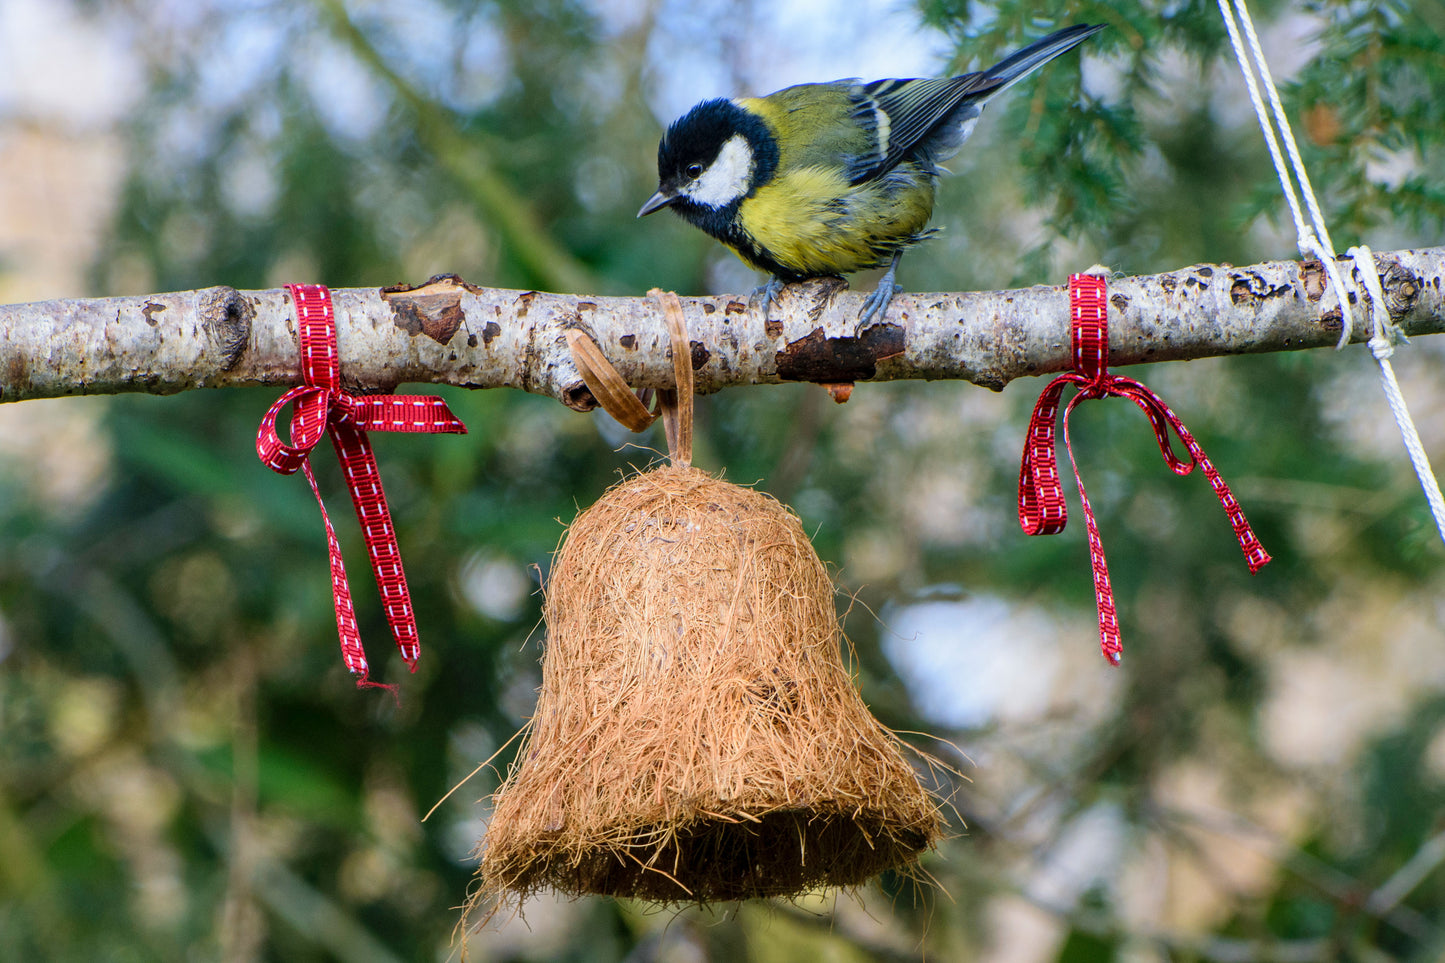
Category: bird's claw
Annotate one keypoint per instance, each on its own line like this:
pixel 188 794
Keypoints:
pixel 876 304
pixel 770 294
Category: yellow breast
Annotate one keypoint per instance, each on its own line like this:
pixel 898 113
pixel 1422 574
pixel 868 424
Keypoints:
pixel 813 222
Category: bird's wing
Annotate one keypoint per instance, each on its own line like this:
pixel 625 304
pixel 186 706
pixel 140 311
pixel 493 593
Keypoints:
pixel 902 113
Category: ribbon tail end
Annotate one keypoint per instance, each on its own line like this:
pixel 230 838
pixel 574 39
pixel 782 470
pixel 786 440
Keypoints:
pixel 394 691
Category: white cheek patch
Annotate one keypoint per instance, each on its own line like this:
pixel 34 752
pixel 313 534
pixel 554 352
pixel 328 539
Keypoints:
pixel 726 178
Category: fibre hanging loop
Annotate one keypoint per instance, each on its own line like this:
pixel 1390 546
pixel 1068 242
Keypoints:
pixel 606 385
pixel 617 398
pixel 677 402
pixel 321 406
pixel 1041 506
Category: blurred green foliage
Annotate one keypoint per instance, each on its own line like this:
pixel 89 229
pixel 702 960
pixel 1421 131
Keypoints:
pixel 187 772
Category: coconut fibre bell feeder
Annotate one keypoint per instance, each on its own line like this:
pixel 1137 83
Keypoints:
pixel 697 736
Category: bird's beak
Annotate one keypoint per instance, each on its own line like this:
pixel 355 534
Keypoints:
pixel 657 201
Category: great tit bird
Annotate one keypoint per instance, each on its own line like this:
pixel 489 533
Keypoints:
pixel 828 179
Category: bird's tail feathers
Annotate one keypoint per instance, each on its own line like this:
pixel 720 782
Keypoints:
pixel 1021 63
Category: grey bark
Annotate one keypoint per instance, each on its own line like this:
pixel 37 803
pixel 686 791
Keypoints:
pixel 450 332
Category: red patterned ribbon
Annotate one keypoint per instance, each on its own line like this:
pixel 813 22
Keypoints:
pixel 322 405
pixel 1042 510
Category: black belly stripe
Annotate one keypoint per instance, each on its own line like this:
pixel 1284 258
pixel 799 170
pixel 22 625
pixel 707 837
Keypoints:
pixel 758 256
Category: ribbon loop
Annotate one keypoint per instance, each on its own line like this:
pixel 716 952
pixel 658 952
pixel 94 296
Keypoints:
pixel 1041 505
pixel 1042 509
pixel 322 407
pixel 308 424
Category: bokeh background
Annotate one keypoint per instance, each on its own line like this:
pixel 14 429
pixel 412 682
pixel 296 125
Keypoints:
pixel 187 772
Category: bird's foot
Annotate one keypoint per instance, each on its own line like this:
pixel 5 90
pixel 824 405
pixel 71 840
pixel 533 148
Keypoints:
pixel 876 304
pixel 769 293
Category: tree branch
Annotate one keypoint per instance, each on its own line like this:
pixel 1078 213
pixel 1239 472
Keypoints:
pixel 450 332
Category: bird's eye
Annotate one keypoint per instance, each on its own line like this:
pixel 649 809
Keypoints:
pixel 694 171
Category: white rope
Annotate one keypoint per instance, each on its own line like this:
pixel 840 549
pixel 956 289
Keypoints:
pixel 1286 132
pixel 1314 241
pixel 1382 346
pixel 1247 67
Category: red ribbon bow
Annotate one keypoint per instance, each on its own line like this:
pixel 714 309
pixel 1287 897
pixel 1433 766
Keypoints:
pixel 322 405
pixel 1042 510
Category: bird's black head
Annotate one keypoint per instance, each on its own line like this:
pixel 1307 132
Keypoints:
pixel 710 159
